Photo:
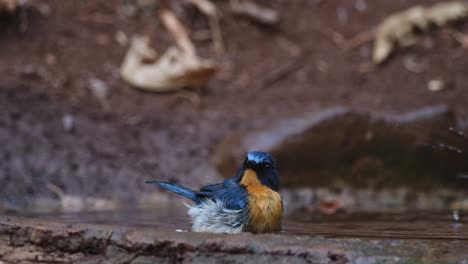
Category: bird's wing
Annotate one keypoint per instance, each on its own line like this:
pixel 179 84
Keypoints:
pixel 212 187
pixel 209 191
pixel 231 193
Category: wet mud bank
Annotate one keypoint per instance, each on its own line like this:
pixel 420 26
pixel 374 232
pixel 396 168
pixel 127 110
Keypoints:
pixel 31 240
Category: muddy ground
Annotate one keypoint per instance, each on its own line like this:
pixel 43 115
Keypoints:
pixel 55 131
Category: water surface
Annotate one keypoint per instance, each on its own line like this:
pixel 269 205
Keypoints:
pixel 408 225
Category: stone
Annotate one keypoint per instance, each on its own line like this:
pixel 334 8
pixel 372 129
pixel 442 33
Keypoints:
pixel 103 244
pixel 341 146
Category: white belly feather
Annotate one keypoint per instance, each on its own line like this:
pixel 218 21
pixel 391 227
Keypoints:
pixel 212 216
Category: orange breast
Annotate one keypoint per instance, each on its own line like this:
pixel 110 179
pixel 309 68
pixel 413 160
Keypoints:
pixel 265 205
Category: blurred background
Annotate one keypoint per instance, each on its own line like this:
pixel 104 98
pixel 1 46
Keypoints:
pixel 364 103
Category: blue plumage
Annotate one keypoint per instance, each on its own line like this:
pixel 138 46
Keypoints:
pixel 230 192
pixel 260 157
pixel 178 189
pixel 224 207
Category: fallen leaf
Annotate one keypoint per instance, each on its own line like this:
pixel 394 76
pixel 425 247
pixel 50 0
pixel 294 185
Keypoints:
pixel 398 29
pixel 177 68
pixel 172 71
pixel 99 88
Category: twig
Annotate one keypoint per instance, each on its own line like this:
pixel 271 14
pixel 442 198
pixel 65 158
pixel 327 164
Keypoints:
pixel 358 40
pixel 205 6
pixel 55 189
pixel 284 71
pixel 259 14
pixel 210 10
pixel 218 42
pixel 190 96
pixel 178 32
pixel 346 44
pixel 336 37
pixel 460 37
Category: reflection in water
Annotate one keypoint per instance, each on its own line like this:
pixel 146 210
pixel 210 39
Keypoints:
pixel 413 225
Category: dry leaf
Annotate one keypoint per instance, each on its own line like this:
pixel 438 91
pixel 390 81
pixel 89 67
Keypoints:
pixel 398 29
pixel 178 32
pixel 256 13
pixel 177 68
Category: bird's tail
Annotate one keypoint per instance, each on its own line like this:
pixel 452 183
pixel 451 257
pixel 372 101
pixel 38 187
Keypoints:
pixel 192 195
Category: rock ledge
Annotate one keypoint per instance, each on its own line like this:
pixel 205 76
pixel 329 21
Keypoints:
pixel 31 240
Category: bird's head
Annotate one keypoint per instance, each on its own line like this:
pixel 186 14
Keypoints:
pixel 260 168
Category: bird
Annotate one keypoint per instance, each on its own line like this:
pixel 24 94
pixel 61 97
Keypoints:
pixel 248 202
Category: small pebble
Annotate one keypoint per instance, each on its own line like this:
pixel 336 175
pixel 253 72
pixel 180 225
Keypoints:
pixel 99 88
pixel 436 85
pixel 68 123
pixel 412 64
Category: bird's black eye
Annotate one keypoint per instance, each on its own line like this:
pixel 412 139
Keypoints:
pixel 267 166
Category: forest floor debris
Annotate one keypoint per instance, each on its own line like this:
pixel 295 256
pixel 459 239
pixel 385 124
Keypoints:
pixel 255 12
pixel 210 10
pixel 399 28
pixel 179 67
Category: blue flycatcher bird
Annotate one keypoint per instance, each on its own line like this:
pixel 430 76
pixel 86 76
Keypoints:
pixel 247 202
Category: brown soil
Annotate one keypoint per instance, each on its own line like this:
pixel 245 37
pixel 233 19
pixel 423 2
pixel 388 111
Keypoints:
pixel 133 135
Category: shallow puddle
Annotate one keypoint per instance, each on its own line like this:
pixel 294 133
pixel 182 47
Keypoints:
pixel 409 225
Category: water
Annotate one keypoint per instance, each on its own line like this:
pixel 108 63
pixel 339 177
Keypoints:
pixel 412 225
